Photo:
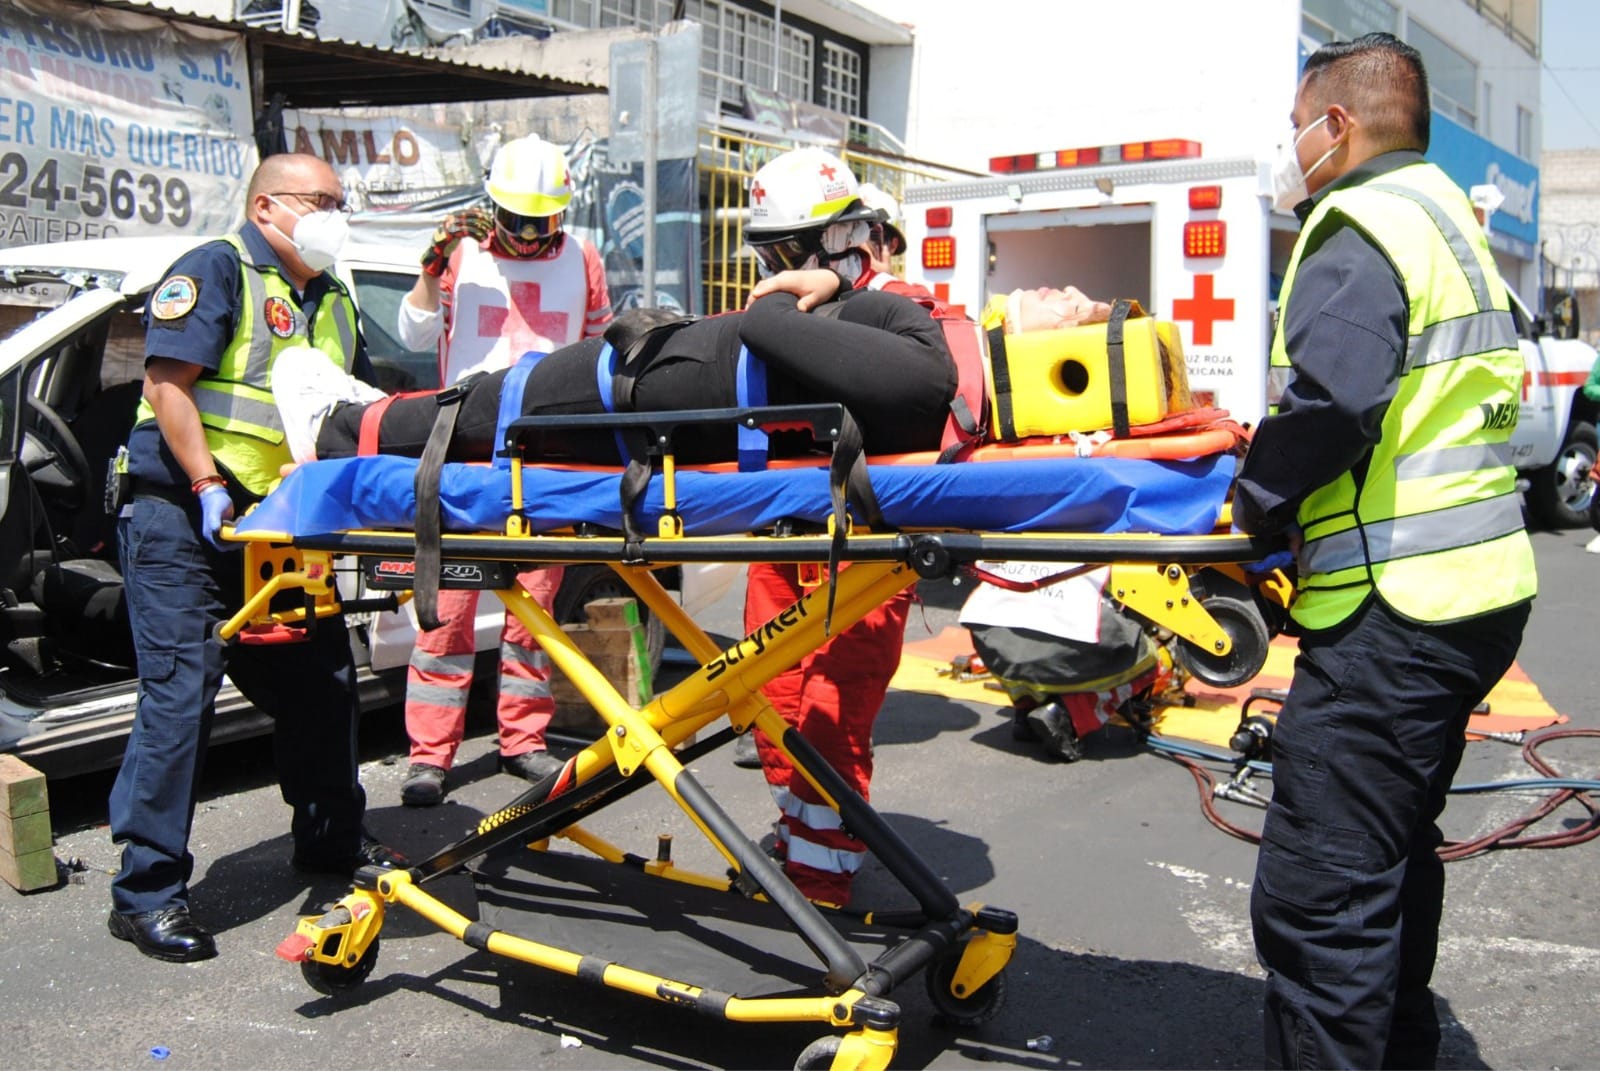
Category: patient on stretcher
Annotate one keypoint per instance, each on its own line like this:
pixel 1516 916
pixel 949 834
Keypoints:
pixel 881 355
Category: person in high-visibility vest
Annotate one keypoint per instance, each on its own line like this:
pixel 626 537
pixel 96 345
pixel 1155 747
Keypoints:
pixel 208 440
pixel 1387 467
pixel 495 285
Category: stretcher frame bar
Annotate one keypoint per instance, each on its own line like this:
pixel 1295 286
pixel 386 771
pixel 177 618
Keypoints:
pixel 931 553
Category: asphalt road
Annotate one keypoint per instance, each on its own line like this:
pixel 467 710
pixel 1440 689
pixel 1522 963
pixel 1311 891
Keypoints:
pixel 1135 947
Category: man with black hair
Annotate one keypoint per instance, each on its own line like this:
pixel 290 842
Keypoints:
pixel 1387 468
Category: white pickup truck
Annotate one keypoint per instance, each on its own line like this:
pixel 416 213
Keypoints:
pixel 1554 444
pixel 71 362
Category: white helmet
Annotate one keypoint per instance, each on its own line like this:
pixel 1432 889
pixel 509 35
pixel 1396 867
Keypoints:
pixel 888 209
pixel 794 199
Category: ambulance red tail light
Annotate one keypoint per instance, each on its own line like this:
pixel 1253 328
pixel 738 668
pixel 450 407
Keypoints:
pixel 939 217
pixel 939 252
pixel 1129 152
pixel 1205 197
pixel 1205 238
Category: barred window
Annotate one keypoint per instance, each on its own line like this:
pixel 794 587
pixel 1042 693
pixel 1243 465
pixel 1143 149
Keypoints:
pixel 841 78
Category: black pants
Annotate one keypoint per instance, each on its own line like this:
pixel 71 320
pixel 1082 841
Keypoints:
pixel 563 383
pixel 1349 888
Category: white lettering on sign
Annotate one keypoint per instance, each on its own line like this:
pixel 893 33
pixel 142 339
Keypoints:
pixel 1519 195
pixel 119 122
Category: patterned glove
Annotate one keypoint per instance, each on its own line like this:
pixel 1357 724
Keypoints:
pixel 474 223
pixel 216 506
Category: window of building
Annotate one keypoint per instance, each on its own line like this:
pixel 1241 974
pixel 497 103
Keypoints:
pixel 1525 133
pixel 1487 114
pixel 1345 20
pixel 1452 77
pixel 736 48
pixel 841 78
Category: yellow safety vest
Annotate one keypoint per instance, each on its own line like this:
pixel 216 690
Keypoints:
pixel 241 421
pixel 1434 522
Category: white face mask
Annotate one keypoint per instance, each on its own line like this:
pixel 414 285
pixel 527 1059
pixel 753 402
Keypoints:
pixel 1288 181
pixel 318 236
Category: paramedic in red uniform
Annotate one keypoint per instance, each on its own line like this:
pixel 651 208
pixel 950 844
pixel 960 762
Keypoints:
pixel 806 212
pixel 493 287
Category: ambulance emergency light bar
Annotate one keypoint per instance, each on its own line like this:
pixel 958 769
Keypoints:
pixel 1129 152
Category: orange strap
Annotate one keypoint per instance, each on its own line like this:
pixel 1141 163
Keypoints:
pixel 372 417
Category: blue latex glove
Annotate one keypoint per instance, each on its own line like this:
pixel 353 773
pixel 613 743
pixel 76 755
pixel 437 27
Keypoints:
pixel 1278 559
pixel 216 506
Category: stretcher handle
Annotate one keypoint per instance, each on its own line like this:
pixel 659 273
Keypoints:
pixel 824 421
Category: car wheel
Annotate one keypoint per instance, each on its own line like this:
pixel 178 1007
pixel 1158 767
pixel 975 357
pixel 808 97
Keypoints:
pixel 1559 494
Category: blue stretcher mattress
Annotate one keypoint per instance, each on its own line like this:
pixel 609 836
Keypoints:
pixel 1102 495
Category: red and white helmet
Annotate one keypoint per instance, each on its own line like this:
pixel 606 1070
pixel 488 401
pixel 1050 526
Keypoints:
pixel 798 202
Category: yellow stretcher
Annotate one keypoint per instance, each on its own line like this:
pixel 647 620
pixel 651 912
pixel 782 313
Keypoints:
pixel 960 949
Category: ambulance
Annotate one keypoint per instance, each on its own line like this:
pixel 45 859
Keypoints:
pixel 1196 241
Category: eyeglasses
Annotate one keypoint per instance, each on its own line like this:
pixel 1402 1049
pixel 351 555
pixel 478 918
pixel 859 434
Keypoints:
pixel 320 202
pixel 787 252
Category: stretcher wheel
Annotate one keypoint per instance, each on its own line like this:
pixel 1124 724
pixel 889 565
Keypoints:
pixel 974 1009
pixel 818 1056
pixel 335 980
pixel 1244 625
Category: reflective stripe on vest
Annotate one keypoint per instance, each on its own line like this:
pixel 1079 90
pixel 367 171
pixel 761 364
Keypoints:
pixel 1431 520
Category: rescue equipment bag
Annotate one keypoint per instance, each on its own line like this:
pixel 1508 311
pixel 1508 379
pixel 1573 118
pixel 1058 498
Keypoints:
pixel 1094 377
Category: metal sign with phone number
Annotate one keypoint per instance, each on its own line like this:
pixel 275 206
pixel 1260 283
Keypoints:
pixel 114 123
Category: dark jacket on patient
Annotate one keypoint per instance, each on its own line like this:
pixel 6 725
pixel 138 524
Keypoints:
pixel 881 355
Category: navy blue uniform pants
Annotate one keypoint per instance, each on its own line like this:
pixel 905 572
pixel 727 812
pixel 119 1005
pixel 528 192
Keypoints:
pixel 178 588
pixel 1349 888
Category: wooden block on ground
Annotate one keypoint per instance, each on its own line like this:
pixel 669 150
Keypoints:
pixel 28 871
pixel 615 654
pixel 22 788
pixel 30 833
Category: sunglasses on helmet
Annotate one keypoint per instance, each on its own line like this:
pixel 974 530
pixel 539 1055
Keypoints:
pixel 786 252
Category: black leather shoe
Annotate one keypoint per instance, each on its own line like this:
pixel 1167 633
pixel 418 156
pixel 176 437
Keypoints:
pixel 745 754
pixel 1053 726
pixel 169 934
pixel 371 853
pixel 532 766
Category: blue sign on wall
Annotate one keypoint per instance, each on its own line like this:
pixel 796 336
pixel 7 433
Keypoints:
pixel 1475 161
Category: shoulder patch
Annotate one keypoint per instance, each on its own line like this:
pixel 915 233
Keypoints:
pixel 175 298
pixel 279 316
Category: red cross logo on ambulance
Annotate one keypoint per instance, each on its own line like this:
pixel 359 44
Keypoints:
pixel 1204 309
pixel 279 317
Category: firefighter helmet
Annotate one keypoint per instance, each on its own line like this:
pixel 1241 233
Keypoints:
pixel 530 178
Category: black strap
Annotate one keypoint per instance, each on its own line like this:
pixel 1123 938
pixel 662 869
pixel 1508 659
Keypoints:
pixel 1117 366
pixel 635 479
pixel 1002 383
pixel 425 583
pixel 847 482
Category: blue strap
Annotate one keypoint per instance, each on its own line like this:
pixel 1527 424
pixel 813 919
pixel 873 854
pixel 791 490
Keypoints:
pixel 605 366
pixel 512 389
pixel 750 386
pixel 605 369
